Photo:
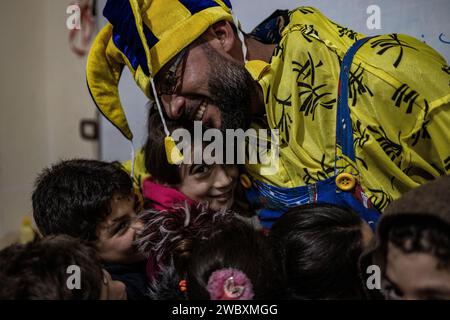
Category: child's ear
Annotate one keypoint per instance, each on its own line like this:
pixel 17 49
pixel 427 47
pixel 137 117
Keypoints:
pixel 224 32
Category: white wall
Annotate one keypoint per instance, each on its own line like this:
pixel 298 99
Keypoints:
pixel 113 145
pixel 43 96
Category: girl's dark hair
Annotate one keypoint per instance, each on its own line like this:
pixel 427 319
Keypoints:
pixel 155 152
pixel 38 270
pixel 235 245
pixel 319 247
pixel 422 235
pixel 73 197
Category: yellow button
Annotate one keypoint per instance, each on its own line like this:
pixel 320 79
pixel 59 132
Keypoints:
pixel 245 181
pixel 345 181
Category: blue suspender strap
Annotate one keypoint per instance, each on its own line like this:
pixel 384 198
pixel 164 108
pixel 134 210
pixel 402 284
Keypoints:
pixel 344 134
pixel 274 201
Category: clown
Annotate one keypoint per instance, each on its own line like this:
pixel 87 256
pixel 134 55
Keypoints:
pixel 361 120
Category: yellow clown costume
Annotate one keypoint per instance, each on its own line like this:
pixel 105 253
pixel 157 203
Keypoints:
pixel 398 93
pixel 399 101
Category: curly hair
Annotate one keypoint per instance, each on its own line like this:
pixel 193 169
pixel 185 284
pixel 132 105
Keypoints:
pixel 170 235
pixel 424 236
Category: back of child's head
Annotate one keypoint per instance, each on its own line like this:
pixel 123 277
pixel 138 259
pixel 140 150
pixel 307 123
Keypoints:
pixel 235 263
pixel 319 247
pixel 73 197
pixel 40 270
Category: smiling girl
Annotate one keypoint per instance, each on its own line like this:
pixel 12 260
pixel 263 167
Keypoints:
pixel 212 184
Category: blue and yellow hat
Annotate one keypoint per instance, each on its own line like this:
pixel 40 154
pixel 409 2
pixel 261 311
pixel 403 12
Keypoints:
pixel 144 35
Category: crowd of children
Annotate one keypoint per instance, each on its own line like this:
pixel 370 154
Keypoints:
pixel 177 245
pixel 187 235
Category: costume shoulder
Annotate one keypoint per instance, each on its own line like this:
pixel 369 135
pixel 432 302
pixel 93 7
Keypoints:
pixel 409 65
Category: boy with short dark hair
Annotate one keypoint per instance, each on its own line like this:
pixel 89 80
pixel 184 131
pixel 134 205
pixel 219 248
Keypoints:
pixel 94 201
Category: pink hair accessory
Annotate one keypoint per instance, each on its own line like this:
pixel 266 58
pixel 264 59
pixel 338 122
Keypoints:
pixel 229 284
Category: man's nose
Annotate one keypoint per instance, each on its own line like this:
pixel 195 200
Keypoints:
pixel 176 107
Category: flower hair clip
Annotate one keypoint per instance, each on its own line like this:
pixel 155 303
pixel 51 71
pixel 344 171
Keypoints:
pixel 182 286
pixel 229 284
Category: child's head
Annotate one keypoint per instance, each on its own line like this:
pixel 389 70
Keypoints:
pixel 169 236
pixel 235 263
pixel 44 269
pixel 91 200
pixel 213 184
pixel 191 243
pixel 319 247
pixel 413 244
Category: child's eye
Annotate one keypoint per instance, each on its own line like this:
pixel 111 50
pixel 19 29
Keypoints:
pixel 122 227
pixel 200 169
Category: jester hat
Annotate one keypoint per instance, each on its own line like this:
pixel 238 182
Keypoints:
pixel 144 35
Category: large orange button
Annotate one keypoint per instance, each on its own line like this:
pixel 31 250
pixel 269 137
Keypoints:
pixel 345 181
pixel 245 181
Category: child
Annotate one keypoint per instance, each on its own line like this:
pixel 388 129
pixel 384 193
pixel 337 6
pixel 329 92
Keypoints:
pixel 413 244
pixel 94 201
pixel 235 263
pixel 319 247
pixel 41 270
pixel 218 241
pixel 169 184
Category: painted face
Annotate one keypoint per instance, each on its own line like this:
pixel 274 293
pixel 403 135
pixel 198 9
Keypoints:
pixel 210 88
pixel 414 276
pixel 112 289
pixel 214 184
pixel 117 234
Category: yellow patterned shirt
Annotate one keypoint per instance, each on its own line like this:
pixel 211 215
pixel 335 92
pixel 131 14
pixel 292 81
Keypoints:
pixel 399 100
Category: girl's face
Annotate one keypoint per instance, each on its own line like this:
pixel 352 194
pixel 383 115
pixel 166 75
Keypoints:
pixel 214 184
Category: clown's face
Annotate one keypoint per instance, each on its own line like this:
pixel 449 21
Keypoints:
pixel 210 86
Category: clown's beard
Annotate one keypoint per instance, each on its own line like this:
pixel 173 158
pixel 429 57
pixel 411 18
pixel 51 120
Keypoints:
pixel 230 87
